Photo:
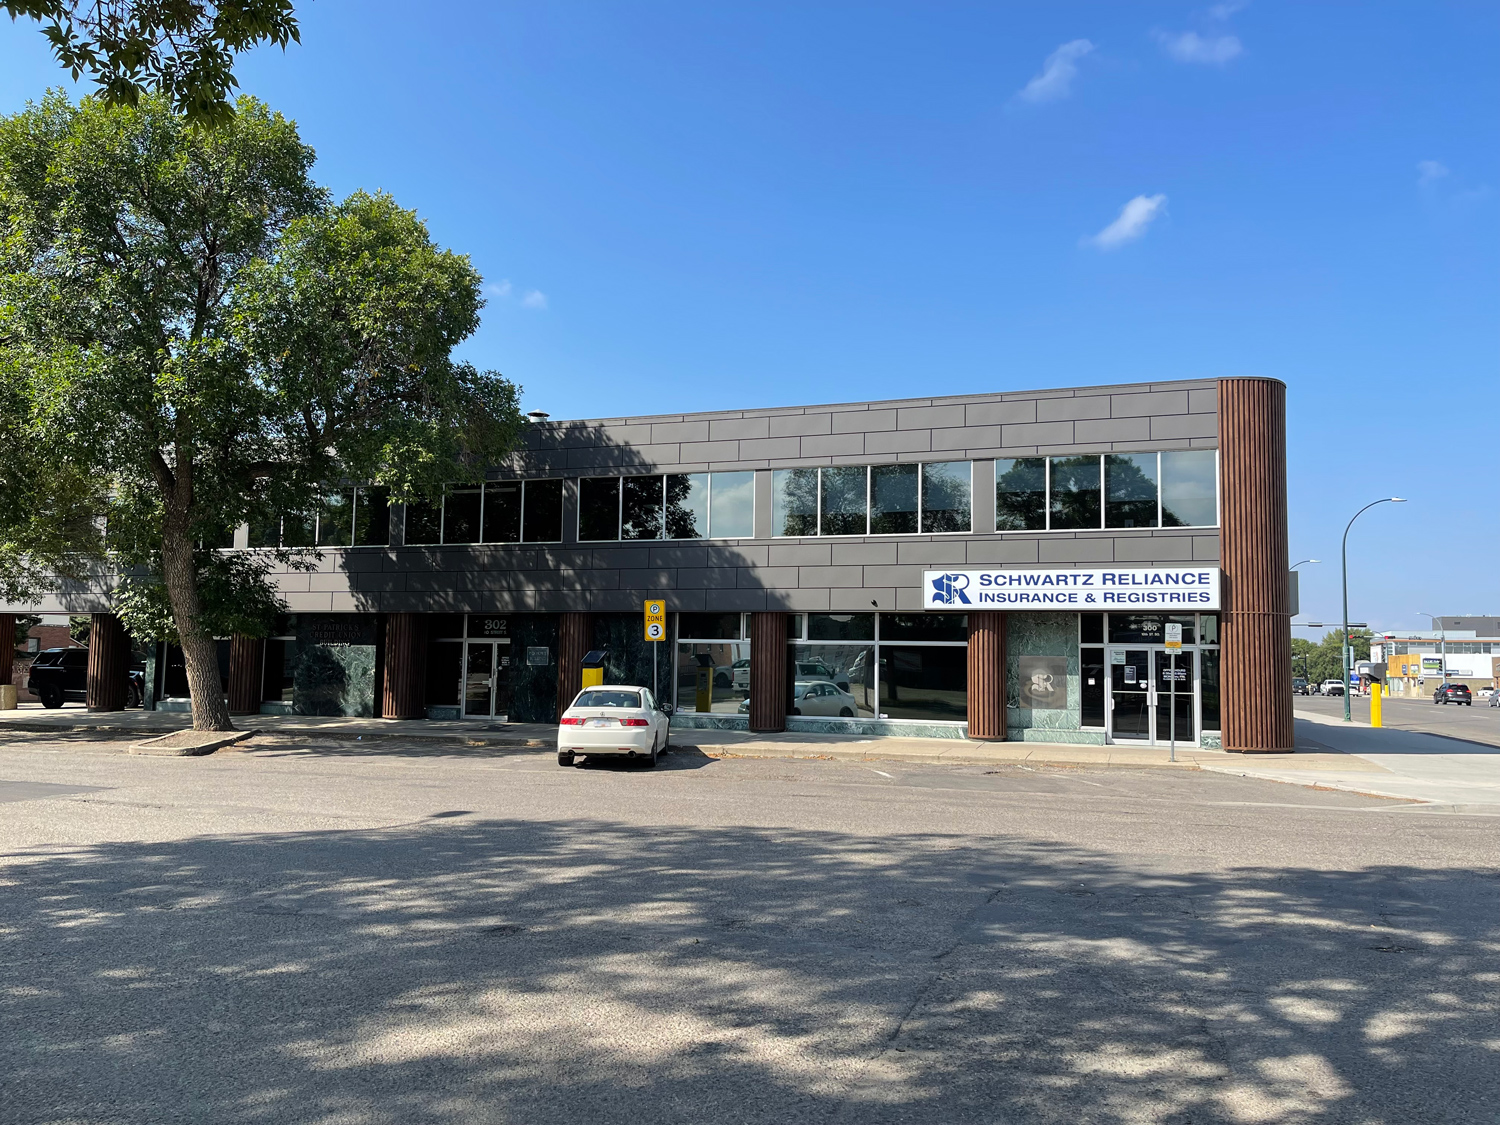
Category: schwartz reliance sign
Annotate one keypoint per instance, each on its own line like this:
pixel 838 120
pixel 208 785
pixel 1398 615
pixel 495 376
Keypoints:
pixel 1193 588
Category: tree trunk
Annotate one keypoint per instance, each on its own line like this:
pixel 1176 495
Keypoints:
pixel 200 654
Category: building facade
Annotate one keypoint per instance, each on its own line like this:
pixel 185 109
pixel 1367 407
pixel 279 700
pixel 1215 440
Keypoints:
pixel 1099 564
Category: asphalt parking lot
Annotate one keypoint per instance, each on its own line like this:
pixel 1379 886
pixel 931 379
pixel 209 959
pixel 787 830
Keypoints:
pixel 1476 723
pixel 315 932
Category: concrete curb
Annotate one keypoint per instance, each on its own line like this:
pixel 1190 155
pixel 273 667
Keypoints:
pixel 206 743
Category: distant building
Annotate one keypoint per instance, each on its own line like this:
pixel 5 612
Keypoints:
pixel 1416 662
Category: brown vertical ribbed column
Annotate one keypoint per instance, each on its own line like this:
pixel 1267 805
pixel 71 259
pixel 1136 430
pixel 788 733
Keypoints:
pixel 575 636
pixel 246 662
pixel 1256 637
pixel 768 672
pixel 987 676
pixel 109 657
pixel 8 639
pixel 405 678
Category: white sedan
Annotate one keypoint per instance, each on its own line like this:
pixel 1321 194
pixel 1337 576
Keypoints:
pixel 620 722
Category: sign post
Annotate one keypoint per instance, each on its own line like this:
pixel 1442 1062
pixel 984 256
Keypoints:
pixel 1174 646
pixel 656 630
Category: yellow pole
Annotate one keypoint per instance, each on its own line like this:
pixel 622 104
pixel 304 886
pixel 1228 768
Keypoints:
pixel 1375 704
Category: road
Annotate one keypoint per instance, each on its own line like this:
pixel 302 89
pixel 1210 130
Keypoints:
pixel 1478 723
pixel 315 932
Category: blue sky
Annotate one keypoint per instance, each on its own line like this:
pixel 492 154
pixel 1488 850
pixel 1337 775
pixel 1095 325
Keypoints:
pixel 687 207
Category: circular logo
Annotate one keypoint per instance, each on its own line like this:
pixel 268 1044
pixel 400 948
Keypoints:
pixel 654 631
pixel 654 608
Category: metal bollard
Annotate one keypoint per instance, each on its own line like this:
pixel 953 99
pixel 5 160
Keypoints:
pixel 1375 704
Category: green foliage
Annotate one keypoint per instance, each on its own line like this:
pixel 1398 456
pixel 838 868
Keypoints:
pixel 25 623
pixel 1324 660
pixel 192 336
pixel 181 49
pixel 237 595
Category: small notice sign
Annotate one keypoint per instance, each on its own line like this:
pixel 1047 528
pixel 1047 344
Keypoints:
pixel 656 620
pixel 1174 635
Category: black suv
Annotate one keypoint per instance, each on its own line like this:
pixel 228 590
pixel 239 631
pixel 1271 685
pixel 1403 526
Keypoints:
pixel 60 674
pixel 1453 693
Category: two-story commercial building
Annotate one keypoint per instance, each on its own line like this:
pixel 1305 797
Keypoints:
pixel 1098 564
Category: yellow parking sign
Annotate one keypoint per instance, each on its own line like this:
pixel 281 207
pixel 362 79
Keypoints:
pixel 656 620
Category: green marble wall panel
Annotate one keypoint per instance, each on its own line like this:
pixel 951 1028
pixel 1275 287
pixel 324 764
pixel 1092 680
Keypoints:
pixel 623 637
pixel 333 679
pixel 533 687
pixel 1042 634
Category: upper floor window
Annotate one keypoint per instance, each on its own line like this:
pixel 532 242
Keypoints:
pixel 668 506
pixel 344 517
pixel 1112 490
pixel 498 511
pixel 872 499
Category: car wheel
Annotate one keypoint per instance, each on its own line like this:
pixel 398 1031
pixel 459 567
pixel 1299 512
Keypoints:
pixel 133 696
pixel 649 761
pixel 564 758
pixel 845 713
pixel 51 696
pixel 721 680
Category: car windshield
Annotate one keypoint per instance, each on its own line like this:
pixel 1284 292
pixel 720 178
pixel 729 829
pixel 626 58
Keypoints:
pixel 608 699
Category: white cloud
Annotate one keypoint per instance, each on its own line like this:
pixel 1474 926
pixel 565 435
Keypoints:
pixel 1430 172
pixel 1134 218
pixel 1190 47
pixel 1057 73
pixel 500 289
pixel 1228 8
pixel 534 299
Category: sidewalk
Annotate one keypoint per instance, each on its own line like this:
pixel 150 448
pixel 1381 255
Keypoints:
pixel 1450 774
pixel 718 743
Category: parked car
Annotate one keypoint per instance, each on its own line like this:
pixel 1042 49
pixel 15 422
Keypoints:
pixel 1299 687
pixel 614 722
pixel 1495 699
pixel 817 697
pixel 58 675
pixel 1486 693
pixel 1453 693
pixel 1332 687
pixel 817 670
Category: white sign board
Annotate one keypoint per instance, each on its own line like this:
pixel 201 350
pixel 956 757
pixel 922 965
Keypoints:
pixel 1150 589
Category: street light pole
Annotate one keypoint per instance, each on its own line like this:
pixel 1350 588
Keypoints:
pixel 1362 511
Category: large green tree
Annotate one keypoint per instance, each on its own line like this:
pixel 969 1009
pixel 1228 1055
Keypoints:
pixel 182 49
pixel 192 336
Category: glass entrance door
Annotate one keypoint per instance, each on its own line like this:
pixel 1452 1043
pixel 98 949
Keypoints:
pixel 1175 688
pixel 1129 702
pixel 1153 695
pixel 479 678
pixel 487 678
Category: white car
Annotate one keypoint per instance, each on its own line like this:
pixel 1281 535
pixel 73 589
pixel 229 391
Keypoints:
pixel 618 722
pixel 819 697
pixel 1333 687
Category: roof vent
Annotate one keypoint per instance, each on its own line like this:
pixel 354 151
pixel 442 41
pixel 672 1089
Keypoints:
pixel 538 416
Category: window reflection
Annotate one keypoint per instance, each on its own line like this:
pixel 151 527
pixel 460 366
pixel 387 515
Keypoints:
pixel 372 517
pixel 336 518
pixel 732 501
pixel 794 502
pixel 641 513
pixel 713 676
pixel 893 499
pixel 461 515
pixel 687 505
pixel 1020 494
pixel 846 500
pixel 1075 492
pixel 945 497
pixel 1189 492
pixel 424 522
pixel 832 681
pixel 1130 490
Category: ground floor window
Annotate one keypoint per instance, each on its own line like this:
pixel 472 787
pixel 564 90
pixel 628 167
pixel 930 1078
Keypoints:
pixel 879 666
pixel 713 663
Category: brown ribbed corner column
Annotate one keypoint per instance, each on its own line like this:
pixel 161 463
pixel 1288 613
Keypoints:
pixel 109 658
pixel 575 636
pixel 987 676
pixel 405 679
pixel 246 661
pixel 8 639
pixel 768 672
pixel 1256 638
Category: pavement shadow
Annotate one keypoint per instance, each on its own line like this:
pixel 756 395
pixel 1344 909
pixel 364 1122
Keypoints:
pixel 465 970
